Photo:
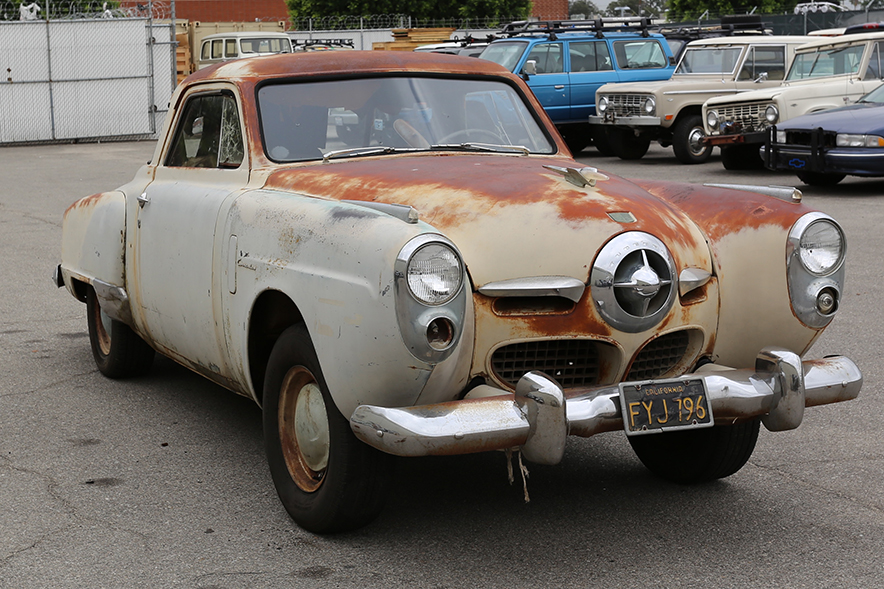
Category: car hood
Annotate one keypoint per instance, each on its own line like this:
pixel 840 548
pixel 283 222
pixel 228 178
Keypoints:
pixel 679 82
pixel 855 118
pixel 510 216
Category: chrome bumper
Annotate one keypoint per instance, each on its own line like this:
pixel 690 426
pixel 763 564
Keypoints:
pixel 539 416
pixel 625 121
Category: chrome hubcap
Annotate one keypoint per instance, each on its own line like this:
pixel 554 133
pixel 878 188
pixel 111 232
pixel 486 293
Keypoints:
pixel 303 428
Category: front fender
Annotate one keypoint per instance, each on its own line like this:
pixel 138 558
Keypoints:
pixel 93 241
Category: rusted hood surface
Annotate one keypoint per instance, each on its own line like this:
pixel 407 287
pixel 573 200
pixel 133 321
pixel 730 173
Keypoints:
pixel 510 216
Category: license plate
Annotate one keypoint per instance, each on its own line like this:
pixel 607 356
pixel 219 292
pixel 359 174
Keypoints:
pixel 665 405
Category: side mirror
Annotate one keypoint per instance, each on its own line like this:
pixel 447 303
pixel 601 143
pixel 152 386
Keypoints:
pixel 762 77
pixel 529 69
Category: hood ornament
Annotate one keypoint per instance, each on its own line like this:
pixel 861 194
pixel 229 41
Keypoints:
pixel 581 177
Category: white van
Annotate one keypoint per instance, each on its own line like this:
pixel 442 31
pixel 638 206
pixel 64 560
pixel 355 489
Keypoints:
pixel 227 46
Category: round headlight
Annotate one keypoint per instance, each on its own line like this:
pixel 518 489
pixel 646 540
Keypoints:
pixel 434 274
pixel 602 106
pixel 712 119
pixel 821 247
pixel 771 114
pixel 650 105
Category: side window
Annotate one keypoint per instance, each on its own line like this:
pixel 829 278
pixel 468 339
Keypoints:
pixel 205 51
pixel 589 56
pixel 230 48
pixel 217 45
pixel 208 135
pixel 874 71
pixel 759 60
pixel 548 57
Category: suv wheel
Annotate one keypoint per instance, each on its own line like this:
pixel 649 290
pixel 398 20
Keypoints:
pixel 687 141
pixel 626 145
pixel 741 157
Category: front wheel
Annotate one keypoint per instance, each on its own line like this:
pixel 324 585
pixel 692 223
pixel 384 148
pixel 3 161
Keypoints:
pixel 117 350
pixel 327 480
pixel 626 145
pixel 687 141
pixel 700 455
pixel 741 157
pixel 820 179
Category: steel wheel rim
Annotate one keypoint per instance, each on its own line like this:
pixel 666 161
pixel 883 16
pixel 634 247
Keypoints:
pixel 103 324
pixel 303 429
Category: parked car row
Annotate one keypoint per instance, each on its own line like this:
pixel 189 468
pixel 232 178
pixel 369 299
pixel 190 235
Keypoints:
pixel 615 83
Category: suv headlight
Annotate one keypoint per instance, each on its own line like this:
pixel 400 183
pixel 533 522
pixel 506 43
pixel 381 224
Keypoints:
pixel 815 267
pixel 602 106
pixel 712 120
pixel 771 114
pixel 649 106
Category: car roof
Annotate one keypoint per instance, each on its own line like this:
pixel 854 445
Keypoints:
pixel 841 40
pixel 246 35
pixel 341 63
pixel 753 40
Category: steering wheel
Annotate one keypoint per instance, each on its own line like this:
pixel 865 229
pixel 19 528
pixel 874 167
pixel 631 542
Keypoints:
pixel 473 135
pixel 411 135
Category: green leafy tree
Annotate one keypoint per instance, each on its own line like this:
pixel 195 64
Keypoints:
pixel 420 9
pixel 650 8
pixel 692 9
pixel 584 7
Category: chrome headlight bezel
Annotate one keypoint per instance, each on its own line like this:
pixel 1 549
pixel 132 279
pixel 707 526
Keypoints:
pixel 815 283
pixel 649 106
pixel 430 327
pixel 712 120
pixel 602 104
pixel 771 114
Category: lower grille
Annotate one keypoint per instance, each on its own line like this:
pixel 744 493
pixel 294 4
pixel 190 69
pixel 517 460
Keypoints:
pixel 659 356
pixel 626 105
pixel 572 363
pixel 825 139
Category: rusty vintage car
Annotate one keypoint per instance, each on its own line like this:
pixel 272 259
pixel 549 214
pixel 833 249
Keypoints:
pixel 454 283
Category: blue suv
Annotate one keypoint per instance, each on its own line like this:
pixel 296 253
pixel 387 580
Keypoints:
pixel 565 62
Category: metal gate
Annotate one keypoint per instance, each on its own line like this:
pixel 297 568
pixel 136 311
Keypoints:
pixel 83 79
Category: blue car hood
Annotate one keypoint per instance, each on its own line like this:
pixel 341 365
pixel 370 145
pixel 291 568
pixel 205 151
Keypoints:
pixel 865 119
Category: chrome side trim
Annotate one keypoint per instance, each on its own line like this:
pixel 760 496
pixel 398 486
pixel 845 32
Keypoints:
pixel 402 212
pixel 692 278
pixel 777 390
pixel 786 193
pixel 536 286
pixel 114 301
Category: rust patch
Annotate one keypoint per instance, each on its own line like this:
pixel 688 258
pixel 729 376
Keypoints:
pixel 85 202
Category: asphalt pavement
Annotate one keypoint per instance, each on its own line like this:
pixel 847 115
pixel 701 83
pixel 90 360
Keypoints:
pixel 160 481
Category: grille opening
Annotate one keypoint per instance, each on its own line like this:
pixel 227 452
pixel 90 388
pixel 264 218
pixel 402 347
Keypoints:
pixel 515 306
pixel 659 356
pixel 572 363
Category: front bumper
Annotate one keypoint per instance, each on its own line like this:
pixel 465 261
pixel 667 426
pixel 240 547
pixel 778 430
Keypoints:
pixel 738 139
pixel 625 121
pixel 853 161
pixel 538 418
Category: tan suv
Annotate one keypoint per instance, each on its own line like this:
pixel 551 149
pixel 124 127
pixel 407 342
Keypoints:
pixel 827 73
pixel 670 111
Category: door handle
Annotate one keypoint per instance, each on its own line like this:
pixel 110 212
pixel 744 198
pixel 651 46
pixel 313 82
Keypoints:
pixel 560 87
pixel 143 199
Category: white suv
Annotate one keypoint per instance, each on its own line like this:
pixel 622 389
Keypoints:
pixel 826 73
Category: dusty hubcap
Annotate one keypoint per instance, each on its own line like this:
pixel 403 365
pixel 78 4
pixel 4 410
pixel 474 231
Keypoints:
pixel 303 428
pixel 102 329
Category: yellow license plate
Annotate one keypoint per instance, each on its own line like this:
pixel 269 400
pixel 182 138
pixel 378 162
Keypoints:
pixel 664 405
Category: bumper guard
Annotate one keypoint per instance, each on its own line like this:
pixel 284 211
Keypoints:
pixel 539 417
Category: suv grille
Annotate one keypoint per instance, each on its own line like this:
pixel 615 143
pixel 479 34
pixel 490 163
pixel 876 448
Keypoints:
pixel 626 105
pixel 826 139
pixel 572 362
pixel 744 118
pixel 659 356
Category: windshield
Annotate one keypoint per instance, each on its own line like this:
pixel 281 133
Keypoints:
pixel 826 62
pixel 709 60
pixel 305 121
pixel 876 96
pixel 506 54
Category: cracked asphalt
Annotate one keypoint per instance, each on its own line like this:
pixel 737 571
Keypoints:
pixel 160 481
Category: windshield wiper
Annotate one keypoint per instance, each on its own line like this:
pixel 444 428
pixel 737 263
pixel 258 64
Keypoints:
pixel 482 147
pixel 360 151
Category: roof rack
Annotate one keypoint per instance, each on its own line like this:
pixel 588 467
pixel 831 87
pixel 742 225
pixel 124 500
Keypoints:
pixel 748 24
pixel 598 26
pixel 330 42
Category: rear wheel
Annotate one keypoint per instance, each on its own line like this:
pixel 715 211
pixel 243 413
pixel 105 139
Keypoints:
pixel 117 350
pixel 687 141
pixel 626 145
pixel 327 480
pixel 601 141
pixel 700 455
pixel 741 157
pixel 576 136
pixel 820 179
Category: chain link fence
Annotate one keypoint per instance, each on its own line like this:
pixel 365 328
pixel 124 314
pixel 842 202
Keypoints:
pixel 80 10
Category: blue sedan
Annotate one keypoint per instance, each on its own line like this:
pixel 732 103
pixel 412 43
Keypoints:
pixel 824 147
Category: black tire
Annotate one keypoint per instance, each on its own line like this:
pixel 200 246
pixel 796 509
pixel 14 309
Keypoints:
pixel 602 142
pixel 820 179
pixel 118 351
pixel 697 456
pixel 626 145
pixel 741 157
pixel 341 484
pixel 686 141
